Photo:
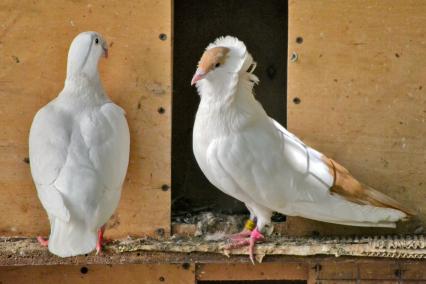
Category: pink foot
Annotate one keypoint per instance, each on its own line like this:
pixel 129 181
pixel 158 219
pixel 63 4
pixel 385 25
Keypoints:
pixel 100 240
pixel 255 237
pixel 245 233
pixel 42 241
pixel 239 236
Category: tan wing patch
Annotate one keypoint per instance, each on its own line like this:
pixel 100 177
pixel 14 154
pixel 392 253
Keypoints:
pixel 211 57
pixel 352 190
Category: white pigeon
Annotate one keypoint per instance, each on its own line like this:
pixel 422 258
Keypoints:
pixel 251 157
pixel 79 153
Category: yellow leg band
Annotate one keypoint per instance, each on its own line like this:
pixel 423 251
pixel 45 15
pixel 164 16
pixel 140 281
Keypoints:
pixel 250 225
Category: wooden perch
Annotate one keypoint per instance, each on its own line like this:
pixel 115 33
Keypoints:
pixel 26 251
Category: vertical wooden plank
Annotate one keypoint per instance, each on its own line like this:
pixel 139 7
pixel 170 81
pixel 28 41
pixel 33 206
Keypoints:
pixel 357 93
pixel 34 39
pixel 129 274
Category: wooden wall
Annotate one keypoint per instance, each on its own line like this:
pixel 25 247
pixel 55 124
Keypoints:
pixel 357 92
pixel 34 41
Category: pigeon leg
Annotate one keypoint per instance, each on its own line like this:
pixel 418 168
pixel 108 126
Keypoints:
pixel 100 240
pixel 43 242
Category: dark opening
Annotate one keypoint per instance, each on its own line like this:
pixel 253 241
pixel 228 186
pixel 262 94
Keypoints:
pixel 262 25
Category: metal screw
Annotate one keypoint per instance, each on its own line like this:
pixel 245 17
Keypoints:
pixel 297 100
pixel 165 187
pixel 163 36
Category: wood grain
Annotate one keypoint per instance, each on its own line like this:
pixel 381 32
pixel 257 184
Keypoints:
pixel 357 94
pixel 130 273
pixel 34 40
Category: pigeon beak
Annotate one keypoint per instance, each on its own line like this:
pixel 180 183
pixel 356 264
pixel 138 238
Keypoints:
pixel 105 52
pixel 199 74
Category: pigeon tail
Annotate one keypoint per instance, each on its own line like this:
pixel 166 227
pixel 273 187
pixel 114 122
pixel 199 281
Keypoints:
pixel 351 189
pixel 70 239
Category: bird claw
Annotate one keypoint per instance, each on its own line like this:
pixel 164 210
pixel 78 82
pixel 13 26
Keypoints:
pixel 240 236
pixel 255 237
pixel 238 243
pixel 98 249
pixel 43 242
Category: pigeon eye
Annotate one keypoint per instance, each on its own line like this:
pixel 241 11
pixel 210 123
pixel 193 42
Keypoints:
pixel 217 65
pixel 96 40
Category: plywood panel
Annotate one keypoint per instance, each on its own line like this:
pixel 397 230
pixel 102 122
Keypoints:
pixel 132 273
pixel 357 93
pixel 34 39
pixel 246 271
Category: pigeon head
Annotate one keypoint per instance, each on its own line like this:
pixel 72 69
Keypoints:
pixel 224 57
pixel 84 54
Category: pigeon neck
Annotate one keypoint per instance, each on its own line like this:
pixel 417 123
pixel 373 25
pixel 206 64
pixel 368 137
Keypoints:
pixel 83 89
pixel 82 81
pixel 233 109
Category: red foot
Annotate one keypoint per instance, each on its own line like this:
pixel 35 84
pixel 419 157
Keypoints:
pixel 255 237
pixel 43 242
pixel 100 240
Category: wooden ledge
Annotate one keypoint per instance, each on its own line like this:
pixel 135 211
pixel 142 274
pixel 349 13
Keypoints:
pixel 26 251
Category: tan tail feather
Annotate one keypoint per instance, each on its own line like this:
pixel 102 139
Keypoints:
pixel 379 199
pixel 351 189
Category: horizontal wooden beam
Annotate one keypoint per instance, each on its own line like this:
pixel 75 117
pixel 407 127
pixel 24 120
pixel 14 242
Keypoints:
pixel 26 251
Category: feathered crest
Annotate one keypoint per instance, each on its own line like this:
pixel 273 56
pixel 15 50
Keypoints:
pixel 239 58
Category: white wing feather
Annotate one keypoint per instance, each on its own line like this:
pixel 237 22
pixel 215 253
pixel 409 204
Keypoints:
pixel 48 149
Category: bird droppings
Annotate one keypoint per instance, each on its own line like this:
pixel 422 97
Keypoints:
pixel 294 57
pixel 156 88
